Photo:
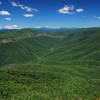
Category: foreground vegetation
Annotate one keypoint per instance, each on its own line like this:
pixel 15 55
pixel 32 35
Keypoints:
pixel 46 68
pixel 28 82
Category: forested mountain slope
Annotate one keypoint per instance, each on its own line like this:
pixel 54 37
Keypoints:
pixel 78 47
pixel 63 65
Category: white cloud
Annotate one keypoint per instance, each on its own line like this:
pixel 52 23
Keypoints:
pixel 70 9
pixel 8 19
pixel 79 10
pixel 4 13
pixel 28 15
pixel 11 27
pixel 67 9
pixel 14 4
pixel 98 17
pixel 40 26
pixel 53 27
pixel 0 3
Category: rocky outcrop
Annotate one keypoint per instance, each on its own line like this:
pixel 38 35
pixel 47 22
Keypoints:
pixel 21 37
pixel 27 36
pixel 7 40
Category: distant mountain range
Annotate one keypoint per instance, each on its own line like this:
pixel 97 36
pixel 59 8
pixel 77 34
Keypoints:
pixel 8 30
pixel 42 29
pixel 53 29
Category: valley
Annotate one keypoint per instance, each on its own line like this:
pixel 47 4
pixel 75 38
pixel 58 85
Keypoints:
pixel 55 65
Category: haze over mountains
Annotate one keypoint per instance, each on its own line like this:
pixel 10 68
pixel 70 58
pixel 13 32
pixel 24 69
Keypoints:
pixel 43 29
pixel 45 65
pixel 53 29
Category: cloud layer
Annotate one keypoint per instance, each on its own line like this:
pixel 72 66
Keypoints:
pixel 8 19
pixel 11 27
pixel 98 17
pixel 14 4
pixel 28 15
pixel 4 13
pixel 79 10
pixel 69 9
pixel 66 9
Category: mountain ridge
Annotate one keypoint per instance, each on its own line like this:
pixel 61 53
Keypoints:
pixel 51 67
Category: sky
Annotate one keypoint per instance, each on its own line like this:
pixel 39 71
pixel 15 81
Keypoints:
pixel 16 14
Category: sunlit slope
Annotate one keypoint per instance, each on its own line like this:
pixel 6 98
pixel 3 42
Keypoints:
pixel 78 47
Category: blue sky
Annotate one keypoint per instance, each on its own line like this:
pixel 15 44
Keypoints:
pixel 49 13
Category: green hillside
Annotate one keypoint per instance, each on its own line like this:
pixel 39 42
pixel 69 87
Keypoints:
pixel 78 47
pixel 25 50
pixel 18 33
pixel 63 65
